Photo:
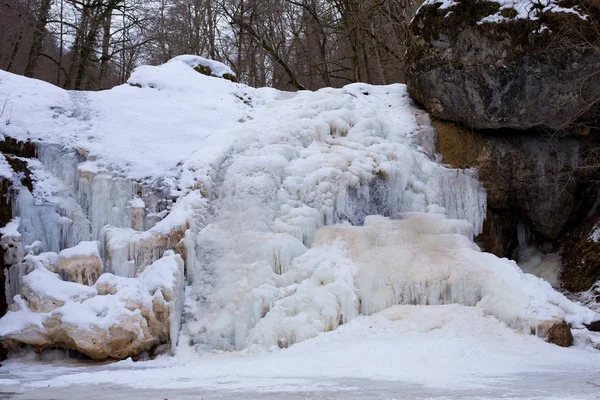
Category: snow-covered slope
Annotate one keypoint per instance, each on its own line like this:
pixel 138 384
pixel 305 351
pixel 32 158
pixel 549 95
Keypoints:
pixel 257 176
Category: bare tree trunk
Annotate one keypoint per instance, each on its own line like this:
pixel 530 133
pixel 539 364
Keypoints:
pixel 79 39
pixel 211 30
pixel 39 33
pixel 105 58
pixel 17 45
pixel 60 43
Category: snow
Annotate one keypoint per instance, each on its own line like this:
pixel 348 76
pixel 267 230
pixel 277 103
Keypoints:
pixel 11 229
pixel 6 171
pixel 218 69
pixel 83 249
pixel 595 236
pixel 49 285
pixel 17 321
pixel 413 352
pixel 109 124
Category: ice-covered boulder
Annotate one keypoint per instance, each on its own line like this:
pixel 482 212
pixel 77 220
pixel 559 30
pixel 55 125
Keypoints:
pixel 44 291
pixel 507 64
pixel 117 318
pixel 82 263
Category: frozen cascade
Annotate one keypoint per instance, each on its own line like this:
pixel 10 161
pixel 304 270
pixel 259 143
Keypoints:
pixel 74 198
pixel 421 259
pixel 275 191
pixel 293 213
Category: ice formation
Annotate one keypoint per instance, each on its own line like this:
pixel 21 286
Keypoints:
pixel 285 214
pixel 423 259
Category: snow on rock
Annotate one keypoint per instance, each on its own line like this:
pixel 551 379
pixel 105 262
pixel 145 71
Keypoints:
pixel 16 272
pixel 11 242
pixel 425 259
pixel 6 171
pixel 199 113
pixel 44 291
pixel 82 263
pixel 215 68
pixel 529 9
pixel 595 236
pixel 11 229
pixel 118 317
pixel 523 9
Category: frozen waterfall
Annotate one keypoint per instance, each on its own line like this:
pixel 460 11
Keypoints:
pixel 263 220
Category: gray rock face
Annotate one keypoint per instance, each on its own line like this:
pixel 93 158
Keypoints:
pixel 518 74
pixel 581 256
pixel 536 178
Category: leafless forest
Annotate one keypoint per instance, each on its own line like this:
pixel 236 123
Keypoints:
pixel 287 44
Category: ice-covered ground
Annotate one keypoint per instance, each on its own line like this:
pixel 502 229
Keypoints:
pixel 405 352
pixel 324 248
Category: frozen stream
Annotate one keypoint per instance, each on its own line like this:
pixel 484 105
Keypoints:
pixel 548 385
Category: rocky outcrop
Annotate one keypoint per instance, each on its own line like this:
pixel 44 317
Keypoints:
pixel 515 91
pixel 581 256
pixel 484 67
pixel 116 318
pixel 5 217
pixel 560 335
pixel 82 263
pixel 527 178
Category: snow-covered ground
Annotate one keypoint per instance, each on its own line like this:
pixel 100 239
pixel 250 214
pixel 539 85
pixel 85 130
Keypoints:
pixel 405 352
pixel 327 253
